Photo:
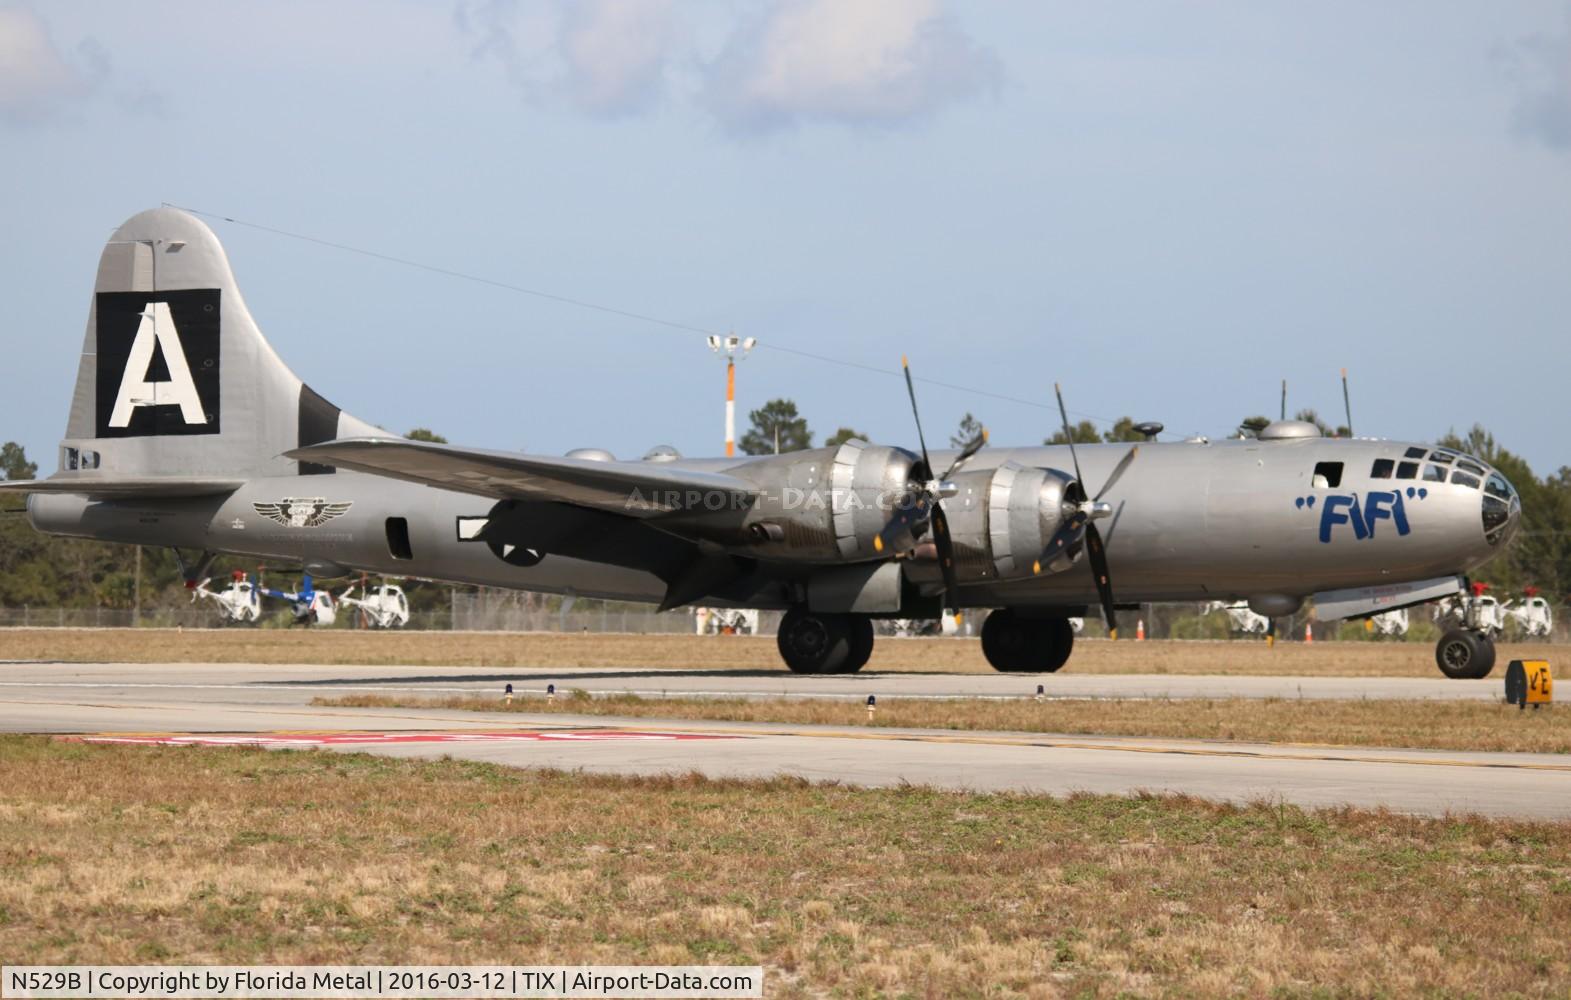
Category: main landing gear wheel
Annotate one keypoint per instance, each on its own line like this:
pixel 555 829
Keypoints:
pixel 1465 655
pixel 860 629
pixel 1013 644
pixel 817 643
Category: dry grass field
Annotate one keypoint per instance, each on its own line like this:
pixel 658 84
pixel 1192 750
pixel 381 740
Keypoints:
pixel 685 652
pixel 1435 725
pixel 142 855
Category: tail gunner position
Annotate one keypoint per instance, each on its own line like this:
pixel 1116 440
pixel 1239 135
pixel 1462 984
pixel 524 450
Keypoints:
pixel 187 430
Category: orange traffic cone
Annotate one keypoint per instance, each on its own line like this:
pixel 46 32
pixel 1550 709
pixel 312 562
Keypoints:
pixel 1309 635
pixel 1140 630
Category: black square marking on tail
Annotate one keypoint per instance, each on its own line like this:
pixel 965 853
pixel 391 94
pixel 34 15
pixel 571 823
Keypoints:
pixel 318 423
pixel 196 334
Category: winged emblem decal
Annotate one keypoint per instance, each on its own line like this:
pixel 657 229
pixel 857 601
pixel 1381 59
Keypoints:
pixel 302 512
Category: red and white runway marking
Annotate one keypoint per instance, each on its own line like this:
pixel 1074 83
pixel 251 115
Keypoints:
pixel 383 739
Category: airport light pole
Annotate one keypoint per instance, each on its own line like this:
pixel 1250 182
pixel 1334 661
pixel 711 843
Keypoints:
pixel 733 349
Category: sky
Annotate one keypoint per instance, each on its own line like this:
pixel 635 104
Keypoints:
pixel 1166 208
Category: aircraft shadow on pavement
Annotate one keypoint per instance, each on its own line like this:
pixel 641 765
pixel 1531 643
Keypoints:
pixel 543 675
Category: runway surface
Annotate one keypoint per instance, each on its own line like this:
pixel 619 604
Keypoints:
pixel 273 683
pixel 271 705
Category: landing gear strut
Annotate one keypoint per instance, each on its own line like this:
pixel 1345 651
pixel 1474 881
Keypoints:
pixel 1014 644
pixel 814 642
pixel 1463 654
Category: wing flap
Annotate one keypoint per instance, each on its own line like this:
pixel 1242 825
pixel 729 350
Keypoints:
pixel 636 489
pixel 125 489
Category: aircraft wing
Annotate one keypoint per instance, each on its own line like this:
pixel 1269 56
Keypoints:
pixel 635 489
pixel 124 488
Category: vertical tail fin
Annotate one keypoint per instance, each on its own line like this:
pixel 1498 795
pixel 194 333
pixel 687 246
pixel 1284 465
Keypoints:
pixel 175 379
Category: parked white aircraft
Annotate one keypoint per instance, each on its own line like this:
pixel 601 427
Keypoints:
pixel 725 621
pixel 238 602
pixel 384 606
pixel 1532 615
pixel 1390 623
pixel 1241 618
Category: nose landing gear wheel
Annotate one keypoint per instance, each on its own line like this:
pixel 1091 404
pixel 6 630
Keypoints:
pixel 816 643
pixel 1465 655
pixel 1013 644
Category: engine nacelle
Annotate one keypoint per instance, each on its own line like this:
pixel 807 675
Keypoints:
pixel 1002 520
pixel 824 504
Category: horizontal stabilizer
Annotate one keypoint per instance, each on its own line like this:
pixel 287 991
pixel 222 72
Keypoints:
pixel 636 489
pixel 125 489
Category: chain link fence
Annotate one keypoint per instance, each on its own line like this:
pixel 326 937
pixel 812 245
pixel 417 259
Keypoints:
pixel 486 611
pixel 509 611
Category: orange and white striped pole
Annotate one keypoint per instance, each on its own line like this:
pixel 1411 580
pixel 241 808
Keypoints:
pixel 733 349
pixel 730 406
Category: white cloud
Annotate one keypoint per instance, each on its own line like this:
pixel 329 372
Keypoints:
pixel 616 53
pixel 778 62
pixel 604 57
pixel 1541 66
pixel 36 79
pixel 851 61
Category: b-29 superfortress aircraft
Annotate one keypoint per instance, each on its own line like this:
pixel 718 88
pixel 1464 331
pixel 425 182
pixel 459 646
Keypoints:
pixel 186 430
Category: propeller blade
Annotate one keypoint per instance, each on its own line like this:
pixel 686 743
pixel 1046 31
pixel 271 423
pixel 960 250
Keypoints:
pixel 911 391
pixel 1069 434
pixel 1118 471
pixel 904 522
pixel 1096 552
pixel 971 448
pixel 946 552
pixel 1062 539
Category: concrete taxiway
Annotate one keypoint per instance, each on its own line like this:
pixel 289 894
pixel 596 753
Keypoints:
pixel 265 701
pixel 280 683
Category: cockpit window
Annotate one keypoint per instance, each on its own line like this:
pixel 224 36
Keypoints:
pixel 1461 478
pixel 1382 468
pixel 1498 504
pixel 1473 467
pixel 1413 453
pixel 1443 457
pixel 1434 474
pixel 1407 470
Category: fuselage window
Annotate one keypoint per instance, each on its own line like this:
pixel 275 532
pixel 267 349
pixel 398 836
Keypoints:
pixel 1407 470
pixel 1496 486
pixel 1328 475
pixel 398 538
pixel 1434 474
pixel 1382 469
pixel 1461 478
pixel 1443 457
pixel 1473 467
pixel 1413 453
